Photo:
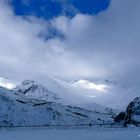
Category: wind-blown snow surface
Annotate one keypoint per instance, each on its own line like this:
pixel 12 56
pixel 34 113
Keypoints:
pixel 83 134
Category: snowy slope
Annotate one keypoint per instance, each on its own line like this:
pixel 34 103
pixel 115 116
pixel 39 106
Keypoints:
pixel 99 95
pixel 60 92
pixel 18 110
pixel 80 93
pixel 33 91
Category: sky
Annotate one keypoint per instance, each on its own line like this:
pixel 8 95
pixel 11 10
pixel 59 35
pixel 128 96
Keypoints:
pixel 72 41
pixel 48 9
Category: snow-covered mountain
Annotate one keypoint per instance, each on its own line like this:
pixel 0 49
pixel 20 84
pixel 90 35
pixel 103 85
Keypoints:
pixel 60 92
pixel 33 91
pixel 83 93
pixel 16 110
pixel 56 102
pixel 104 92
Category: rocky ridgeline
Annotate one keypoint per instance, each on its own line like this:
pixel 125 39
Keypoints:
pixel 131 115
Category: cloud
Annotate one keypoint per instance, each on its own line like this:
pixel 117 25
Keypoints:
pixel 23 54
pixel 105 45
pixel 108 41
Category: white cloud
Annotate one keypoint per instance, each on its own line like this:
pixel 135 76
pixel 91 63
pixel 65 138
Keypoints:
pixel 23 54
pixel 106 45
pixel 109 42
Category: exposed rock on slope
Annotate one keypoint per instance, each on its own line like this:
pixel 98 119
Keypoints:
pixel 132 113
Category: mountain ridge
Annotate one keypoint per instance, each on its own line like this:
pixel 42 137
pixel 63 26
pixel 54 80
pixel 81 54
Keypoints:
pixel 18 110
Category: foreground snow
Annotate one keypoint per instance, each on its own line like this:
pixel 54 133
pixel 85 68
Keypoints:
pixel 75 134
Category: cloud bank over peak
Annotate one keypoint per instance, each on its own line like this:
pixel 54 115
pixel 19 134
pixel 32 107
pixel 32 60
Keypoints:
pixel 24 54
pixel 108 41
pixel 100 46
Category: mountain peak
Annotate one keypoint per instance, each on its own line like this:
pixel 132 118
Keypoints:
pixel 24 86
pixel 27 82
pixel 33 90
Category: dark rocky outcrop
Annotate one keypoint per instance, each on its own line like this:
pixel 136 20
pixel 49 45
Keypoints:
pixel 120 117
pixel 131 115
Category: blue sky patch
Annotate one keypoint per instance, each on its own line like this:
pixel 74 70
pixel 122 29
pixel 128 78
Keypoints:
pixel 48 9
